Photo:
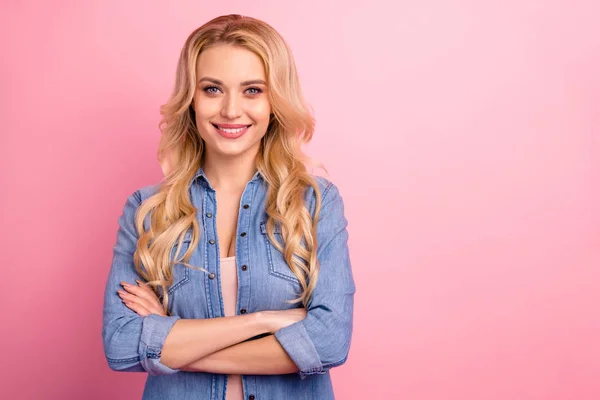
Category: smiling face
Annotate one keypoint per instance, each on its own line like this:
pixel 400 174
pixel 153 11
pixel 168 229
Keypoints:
pixel 231 101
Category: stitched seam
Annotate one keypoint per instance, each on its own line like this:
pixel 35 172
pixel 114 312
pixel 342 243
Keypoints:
pixel 183 281
pixel 186 273
pixel 326 191
pixel 123 360
pixel 335 364
pixel 207 288
pixel 272 270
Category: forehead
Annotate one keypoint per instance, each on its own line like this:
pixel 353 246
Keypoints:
pixel 229 63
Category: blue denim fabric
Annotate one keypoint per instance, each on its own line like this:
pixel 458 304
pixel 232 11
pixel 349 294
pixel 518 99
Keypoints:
pixel 316 344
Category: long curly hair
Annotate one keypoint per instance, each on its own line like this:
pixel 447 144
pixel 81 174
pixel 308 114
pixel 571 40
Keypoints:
pixel 280 160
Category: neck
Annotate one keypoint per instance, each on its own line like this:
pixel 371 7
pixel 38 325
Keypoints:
pixel 229 173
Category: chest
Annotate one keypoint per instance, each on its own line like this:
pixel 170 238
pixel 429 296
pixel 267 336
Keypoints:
pixel 227 205
pixel 232 226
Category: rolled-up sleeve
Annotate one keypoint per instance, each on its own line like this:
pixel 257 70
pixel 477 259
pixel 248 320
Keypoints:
pixel 322 340
pixel 131 342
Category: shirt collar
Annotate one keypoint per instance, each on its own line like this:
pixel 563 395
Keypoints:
pixel 200 174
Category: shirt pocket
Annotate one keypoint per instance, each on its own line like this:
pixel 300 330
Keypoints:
pixel 181 273
pixel 277 265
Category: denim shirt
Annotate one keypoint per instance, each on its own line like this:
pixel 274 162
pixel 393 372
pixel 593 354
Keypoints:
pixel 316 344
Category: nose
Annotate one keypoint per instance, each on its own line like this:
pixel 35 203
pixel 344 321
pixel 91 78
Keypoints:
pixel 232 108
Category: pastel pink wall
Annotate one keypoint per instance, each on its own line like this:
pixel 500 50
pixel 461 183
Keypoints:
pixel 463 135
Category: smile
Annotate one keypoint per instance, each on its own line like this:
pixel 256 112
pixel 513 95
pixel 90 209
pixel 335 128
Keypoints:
pixel 231 131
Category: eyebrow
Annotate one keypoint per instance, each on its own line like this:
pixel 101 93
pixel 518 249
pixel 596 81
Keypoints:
pixel 245 83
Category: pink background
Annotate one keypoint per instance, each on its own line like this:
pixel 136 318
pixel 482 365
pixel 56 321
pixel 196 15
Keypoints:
pixel 464 137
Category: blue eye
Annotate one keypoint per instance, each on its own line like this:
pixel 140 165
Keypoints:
pixel 214 90
pixel 209 89
pixel 256 90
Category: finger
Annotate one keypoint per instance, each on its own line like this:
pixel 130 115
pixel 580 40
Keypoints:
pixel 138 309
pixel 132 298
pixel 144 286
pixel 141 290
pixel 144 292
pixel 157 305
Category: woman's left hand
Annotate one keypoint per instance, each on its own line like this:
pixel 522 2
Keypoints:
pixel 141 299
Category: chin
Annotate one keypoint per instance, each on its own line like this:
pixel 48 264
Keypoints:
pixel 234 149
pixel 217 144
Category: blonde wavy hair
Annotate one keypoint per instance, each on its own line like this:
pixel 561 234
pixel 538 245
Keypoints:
pixel 280 161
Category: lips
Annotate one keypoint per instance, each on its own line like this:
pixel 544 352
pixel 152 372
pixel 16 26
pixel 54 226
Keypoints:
pixel 230 126
pixel 231 131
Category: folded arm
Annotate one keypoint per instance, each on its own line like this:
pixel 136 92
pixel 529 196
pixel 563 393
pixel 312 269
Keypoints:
pixel 263 356
pixel 166 344
pixel 317 343
pixel 154 343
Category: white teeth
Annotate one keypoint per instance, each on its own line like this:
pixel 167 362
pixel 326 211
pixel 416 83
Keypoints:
pixel 238 130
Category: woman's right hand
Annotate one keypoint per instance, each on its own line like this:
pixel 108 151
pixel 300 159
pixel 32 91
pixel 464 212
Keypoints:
pixel 277 319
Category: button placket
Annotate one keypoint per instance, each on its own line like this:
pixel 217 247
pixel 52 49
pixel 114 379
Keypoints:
pixel 244 225
pixel 243 234
pixel 245 206
pixel 210 206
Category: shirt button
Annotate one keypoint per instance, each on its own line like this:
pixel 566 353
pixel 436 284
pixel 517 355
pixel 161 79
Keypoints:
pixel 246 206
pixel 211 275
pixel 208 215
pixel 244 267
pixel 211 241
pixel 251 397
pixel 243 234
pixel 243 311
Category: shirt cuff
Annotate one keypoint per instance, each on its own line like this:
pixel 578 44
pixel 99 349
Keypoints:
pixel 295 341
pixel 155 329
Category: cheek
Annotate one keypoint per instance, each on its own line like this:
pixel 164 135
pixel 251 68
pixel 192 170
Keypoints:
pixel 259 111
pixel 205 109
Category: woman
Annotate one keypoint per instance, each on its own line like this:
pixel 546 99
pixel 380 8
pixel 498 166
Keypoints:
pixel 253 298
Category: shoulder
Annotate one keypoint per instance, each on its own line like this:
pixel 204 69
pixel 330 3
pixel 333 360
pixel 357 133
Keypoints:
pixel 135 199
pixel 324 184
pixel 148 191
pixel 327 188
pixel 332 216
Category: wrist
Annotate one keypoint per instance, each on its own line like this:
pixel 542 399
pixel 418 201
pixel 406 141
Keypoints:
pixel 266 321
